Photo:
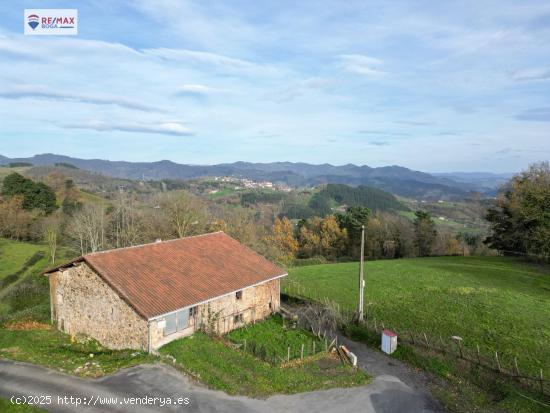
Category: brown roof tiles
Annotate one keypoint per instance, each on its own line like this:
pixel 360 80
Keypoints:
pixel 165 276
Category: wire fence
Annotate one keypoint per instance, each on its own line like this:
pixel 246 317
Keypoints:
pixel 278 356
pixel 459 348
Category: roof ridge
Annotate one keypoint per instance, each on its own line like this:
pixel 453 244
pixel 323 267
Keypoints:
pixel 151 243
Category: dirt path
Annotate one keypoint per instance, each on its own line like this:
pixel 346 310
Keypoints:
pixel 379 365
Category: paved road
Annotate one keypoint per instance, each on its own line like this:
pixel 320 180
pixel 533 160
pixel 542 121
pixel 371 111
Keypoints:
pixel 395 389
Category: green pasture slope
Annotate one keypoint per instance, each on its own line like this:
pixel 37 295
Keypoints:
pixel 501 304
pixel 14 254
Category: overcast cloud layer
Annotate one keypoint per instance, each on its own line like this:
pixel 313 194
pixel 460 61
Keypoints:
pixel 435 86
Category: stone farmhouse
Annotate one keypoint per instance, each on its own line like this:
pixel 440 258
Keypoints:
pixel 145 296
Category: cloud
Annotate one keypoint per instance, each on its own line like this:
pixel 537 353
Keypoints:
pixel 198 90
pixel 164 128
pixel 42 92
pixel 531 74
pixel 449 133
pixel 414 122
pixel 381 132
pixel 361 64
pixel 299 89
pixel 380 143
pixel 197 57
pixel 535 114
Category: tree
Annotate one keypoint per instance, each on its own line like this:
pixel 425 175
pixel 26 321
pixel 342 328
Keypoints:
pixel 185 212
pixel 35 195
pixel 322 237
pixel 87 228
pixel 15 222
pixel 283 239
pixel 52 229
pixel 424 232
pixel 125 223
pixel 352 221
pixel 520 218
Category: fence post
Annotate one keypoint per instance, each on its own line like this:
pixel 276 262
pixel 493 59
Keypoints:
pixel 314 347
pixel 478 355
pixel 516 364
pixel 302 352
pixel 245 344
pixel 288 354
pixel 498 362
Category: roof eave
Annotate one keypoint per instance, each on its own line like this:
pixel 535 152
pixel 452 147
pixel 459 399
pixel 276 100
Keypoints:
pixel 63 266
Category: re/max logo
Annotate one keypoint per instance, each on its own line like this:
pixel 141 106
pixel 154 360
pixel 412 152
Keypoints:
pixel 51 22
pixel 55 21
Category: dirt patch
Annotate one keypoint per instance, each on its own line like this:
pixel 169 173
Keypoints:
pixel 12 351
pixel 327 363
pixel 27 325
pixel 90 369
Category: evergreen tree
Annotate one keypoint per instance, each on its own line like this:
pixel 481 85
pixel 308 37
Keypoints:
pixel 425 233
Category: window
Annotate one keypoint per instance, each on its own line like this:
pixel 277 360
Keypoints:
pixel 193 311
pixel 182 318
pixel 237 319
pixel 239 295
pixel 176 322
pixel 170 327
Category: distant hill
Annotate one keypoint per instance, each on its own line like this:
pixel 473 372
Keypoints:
pixel 486 182
pixel 365 196
pixel 395 179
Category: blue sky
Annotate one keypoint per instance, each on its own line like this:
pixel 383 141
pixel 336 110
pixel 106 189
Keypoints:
pixel 434 86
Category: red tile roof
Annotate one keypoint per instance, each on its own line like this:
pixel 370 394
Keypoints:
pixel 165 276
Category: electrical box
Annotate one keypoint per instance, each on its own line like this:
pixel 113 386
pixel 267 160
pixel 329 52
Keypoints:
pixel 389 341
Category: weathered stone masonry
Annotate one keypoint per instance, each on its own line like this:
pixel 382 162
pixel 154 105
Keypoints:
pixel 256 303
pixel 82 303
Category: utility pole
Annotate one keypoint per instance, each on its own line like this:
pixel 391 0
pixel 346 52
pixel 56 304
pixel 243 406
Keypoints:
pixel 361 277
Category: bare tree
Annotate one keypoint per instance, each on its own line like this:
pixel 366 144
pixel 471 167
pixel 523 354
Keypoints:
pixel 87 227
pixel 125 222
pixel 185 212
pixel 51 228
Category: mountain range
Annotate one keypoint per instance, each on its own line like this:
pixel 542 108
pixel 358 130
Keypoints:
pixel 395 179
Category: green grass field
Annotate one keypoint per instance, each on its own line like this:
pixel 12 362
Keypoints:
pixel 272 340
pixel 51 348
pixel 497 303
pixel 219 366
pixel 14 254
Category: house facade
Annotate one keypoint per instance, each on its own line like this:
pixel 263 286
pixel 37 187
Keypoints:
pixel 146 296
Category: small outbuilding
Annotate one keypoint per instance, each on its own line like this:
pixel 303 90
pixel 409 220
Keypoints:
pixel 145 296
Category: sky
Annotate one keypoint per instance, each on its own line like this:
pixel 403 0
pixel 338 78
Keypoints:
pixel 433 86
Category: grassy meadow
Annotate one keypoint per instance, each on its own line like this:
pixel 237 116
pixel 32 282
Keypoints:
pixel 498 303
pixel 271 339
pixel 220 366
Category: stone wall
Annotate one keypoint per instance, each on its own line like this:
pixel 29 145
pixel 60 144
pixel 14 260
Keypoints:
pixel 82 303
pixel 218 315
